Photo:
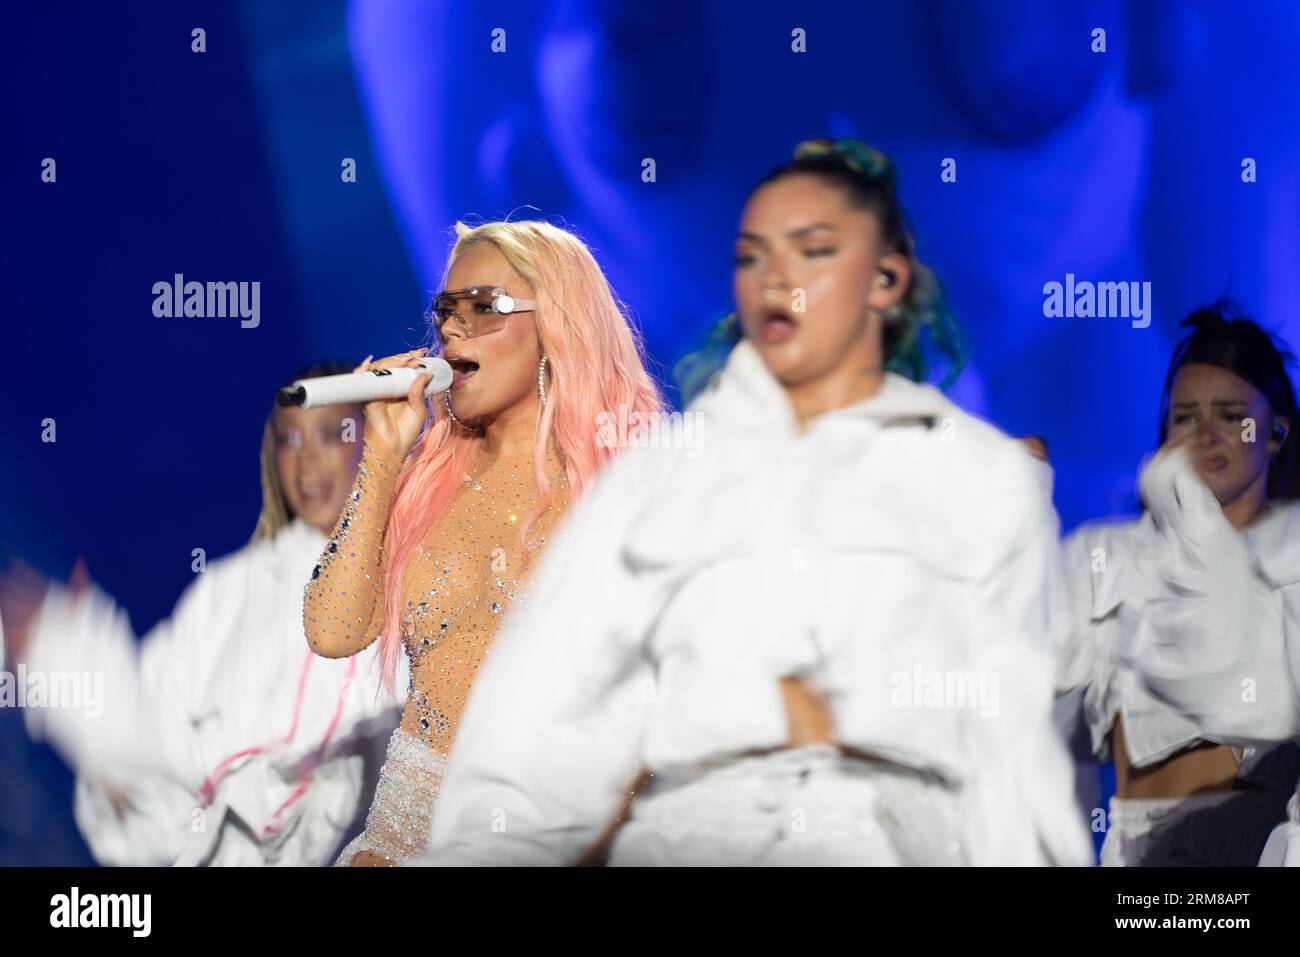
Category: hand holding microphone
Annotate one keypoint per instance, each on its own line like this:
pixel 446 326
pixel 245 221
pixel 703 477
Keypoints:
pixel 395 423
pixel 393 394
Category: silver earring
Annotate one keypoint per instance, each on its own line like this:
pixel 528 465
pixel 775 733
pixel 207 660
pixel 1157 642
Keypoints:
pixel 446 400
pixel 541 378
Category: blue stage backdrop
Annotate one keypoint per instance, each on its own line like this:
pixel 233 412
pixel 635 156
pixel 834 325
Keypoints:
pixel 1152 142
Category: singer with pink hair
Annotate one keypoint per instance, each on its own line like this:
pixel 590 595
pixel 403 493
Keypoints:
pixel 454 502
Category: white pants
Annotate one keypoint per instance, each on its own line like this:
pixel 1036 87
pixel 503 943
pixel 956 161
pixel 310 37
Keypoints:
pixel 1222 829
pixel 801 806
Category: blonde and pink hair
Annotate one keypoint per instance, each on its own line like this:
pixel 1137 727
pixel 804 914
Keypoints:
pixel 596 364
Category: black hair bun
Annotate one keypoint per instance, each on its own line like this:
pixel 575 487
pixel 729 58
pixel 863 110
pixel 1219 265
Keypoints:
pixel 1225 319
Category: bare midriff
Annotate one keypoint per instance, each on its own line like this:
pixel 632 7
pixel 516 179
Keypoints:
pixel 1203 769
pixel 806 715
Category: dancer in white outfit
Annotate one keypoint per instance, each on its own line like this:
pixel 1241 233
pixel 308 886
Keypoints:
pixel 839 535
pixel 222 739
pixel 1185 618
pixel 1240 684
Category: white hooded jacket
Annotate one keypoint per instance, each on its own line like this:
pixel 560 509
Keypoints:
pixel 1174 611
pixel 1190 630
pixel 891 546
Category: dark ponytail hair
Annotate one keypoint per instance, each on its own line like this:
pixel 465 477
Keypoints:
pixel 866 178
pixel 1224 337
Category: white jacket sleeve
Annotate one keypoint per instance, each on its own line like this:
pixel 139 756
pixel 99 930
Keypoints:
pixel 1218 640
pixel 86 639
pixel 1022 809
pixel 134 740
pixel 139 696
pixel 1077 652
pixel 550 738
pixel 152 828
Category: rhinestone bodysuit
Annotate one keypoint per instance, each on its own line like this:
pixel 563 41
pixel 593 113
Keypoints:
pixel 462 578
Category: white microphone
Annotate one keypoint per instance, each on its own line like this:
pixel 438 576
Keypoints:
pixel 356 388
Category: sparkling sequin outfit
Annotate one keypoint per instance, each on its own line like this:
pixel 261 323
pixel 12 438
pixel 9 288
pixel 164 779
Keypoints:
pixel 464 575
